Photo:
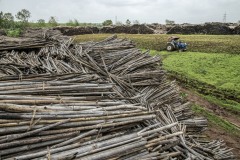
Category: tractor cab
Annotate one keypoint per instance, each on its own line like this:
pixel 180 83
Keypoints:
pixel 175 44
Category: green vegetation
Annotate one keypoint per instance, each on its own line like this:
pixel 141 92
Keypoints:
pixel 229 105
pixel 13 32
pixel 11 27
pixel 219 70
pixel 52 22
pixel 14 28
pixel 196 43
pixel 23 15
pixel 73 23
pixel 215 75
pixel 107 22
pixel 216 120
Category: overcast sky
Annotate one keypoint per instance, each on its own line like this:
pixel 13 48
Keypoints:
pixel 145 11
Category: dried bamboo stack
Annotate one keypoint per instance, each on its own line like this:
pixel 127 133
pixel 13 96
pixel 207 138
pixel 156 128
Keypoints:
pixel 104 100
pixel 32 39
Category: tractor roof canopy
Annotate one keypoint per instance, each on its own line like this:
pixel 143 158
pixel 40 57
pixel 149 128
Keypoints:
pixel 173 38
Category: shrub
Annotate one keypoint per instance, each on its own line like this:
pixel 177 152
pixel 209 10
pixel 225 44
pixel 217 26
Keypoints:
pixel 13 32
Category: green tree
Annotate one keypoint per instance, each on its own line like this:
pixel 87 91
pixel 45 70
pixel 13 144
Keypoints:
pixel 52 21
pixel 76 23
pixel 10 27
pixel 8 17
pixel 70 23
pixel 128 22
pixel 170 22
pixel 107 22
pixel 6 21
pixel 1 19
pixel 41 23
pixel 23 15
pixel 1 15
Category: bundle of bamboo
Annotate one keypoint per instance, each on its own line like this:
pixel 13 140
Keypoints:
pixel 95 101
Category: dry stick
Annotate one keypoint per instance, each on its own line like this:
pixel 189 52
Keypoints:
pixel 75 138
pixel 30 146
pixel 21 135
pixel 9 123
pixel 93 127
pixel 150 155
pixel 157 130
pixel 144 134
pixel 70 148
pixel 35 140
pixel 107 147
pixel 166 142
pixel 135 154
pixel 32 120
pixel 80 114
pixel 157 140
pixel 114 151
pixel 54 101
pixel 149 127
pixel 201 157
pixel 88 148
pixel 80 124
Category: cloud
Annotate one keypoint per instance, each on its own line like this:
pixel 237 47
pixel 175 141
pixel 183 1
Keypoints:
pixel 191 11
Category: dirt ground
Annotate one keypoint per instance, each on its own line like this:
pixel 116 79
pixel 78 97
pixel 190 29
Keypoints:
pixel 213 131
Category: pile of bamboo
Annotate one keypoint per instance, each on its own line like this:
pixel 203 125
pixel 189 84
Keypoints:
pixel 103 100
pixel 32 39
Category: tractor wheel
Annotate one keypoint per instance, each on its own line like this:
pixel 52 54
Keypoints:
pixel 170 47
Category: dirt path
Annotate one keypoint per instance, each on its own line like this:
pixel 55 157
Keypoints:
pixel 213 131
pixel 221 112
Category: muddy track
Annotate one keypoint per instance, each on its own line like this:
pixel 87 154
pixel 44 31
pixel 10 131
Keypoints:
pixel 213 131
pixel 217 110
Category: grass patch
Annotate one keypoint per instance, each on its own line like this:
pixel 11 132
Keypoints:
pixel 216 120
pixel 196 43
pixel 13 32
pixel 219 70
pixel 229 105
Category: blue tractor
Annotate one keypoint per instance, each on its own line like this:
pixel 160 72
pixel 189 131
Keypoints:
pixel 174 44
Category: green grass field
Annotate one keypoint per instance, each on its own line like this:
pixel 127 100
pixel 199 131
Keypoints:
pixel 220 70
pixel 197 43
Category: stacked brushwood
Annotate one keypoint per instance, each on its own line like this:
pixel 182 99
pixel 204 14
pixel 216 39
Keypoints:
pixel 95 100
pixel 32 39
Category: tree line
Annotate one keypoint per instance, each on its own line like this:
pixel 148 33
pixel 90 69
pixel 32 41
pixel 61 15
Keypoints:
pixel 13 25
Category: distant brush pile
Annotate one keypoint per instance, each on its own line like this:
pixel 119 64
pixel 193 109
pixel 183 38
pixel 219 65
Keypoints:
pixel 207 28
pixel 93 100
pixel 133 29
